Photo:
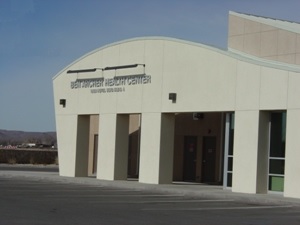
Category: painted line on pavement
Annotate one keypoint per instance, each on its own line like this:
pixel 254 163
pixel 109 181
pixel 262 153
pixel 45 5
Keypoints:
pixel 218 208
pixel 109 195
pixel 160 201
pixel 43 189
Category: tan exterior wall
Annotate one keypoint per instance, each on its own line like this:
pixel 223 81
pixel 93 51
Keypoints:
pixel 262 40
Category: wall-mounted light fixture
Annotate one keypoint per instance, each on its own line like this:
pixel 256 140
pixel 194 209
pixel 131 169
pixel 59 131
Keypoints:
pixel 198 116
pixel 62 102
pixel 173 96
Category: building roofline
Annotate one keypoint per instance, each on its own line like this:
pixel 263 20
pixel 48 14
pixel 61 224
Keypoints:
pixel 231 53
pixel 159 38
pixel 281 24
pixel 263 62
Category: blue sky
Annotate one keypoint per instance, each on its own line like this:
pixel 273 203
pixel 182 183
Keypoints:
pixel 38 38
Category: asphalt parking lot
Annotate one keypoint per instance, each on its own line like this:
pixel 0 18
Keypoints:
pixel 25 200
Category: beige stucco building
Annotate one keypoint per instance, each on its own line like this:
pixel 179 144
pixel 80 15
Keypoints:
pixel 163 110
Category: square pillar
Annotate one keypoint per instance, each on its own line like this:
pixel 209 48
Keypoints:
pixel 113 147
pixel 245 152
pixel 263 152
pixel 82 146
pixel 121 149
pixel 292 155
pixel 157 148
pixel 66 128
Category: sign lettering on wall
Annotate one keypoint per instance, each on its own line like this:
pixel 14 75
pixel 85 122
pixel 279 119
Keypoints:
pixel 108 85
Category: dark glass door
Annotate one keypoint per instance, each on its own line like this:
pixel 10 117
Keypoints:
pixel 209 159
pixel 190 154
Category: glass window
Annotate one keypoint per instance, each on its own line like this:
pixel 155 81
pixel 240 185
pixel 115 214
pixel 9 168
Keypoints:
pixel 230 163
pixel 277 151
pixel 277 142
pixel 231 134
pixel 276 166
pixel 229 179
pixel 228 149
pixel 276 183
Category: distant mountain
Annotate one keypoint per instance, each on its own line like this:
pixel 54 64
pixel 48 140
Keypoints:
pixel 12 137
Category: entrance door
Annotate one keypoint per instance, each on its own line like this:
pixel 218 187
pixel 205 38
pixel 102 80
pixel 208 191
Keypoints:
pixel 95 155
pixel 209 159
pixel 190 154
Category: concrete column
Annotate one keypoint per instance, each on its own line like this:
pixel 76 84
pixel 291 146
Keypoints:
pixel 121 150
pixel 263 152
pixel 66 128
pixel 113 147
pixel 82 146
pixel 157 148
pixel 292 155
pixel 245 151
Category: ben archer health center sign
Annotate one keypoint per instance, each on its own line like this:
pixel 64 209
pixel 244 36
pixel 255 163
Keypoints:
pixel 108 85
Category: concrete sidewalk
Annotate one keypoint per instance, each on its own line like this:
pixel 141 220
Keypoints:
pixel 188 189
